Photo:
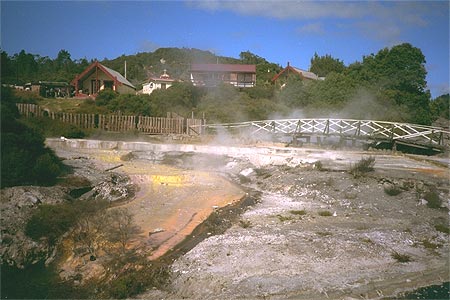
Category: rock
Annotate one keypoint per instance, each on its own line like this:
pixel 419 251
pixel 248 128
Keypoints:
pixel 246 172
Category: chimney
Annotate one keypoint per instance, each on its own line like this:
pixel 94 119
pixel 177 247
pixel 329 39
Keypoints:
pixel 125 70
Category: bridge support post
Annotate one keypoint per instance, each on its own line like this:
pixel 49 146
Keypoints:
pixel 394 146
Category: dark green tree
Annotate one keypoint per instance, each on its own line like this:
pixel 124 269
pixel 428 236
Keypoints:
pixel 323 65
pixel 398 74
pixel 24 158
pixel 440 107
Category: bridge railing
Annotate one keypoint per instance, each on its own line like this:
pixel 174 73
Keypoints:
pixel 348 128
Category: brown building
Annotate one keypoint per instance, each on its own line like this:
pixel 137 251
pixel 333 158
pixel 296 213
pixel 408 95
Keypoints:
pixel 282 76
pixel 97 77
pixel 210 75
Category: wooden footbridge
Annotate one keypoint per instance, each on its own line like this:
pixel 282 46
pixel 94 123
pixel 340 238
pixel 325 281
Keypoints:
pixel 366 131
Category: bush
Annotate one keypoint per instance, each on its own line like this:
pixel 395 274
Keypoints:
pixel 105 96
pixel 298 212
pixel 46 169
pixel 401 258
pixel 51 221
pixel 433 199
pixel 392 190
pixel 442 228
pixel 54 128
pixel 325 213
pixel 365 165
pixel 136 281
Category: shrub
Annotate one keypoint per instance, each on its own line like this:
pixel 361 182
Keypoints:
pixel 245 223
pixel 283 218
pixel 363 166
pixel 137 280
pixel 54 128
pixel 442 228
pixel 51 221
pixel 430 245
pixel 325 213
pixel 24 157
pixel 298 212
pixel 433 199
pixel 392 190
pixel 401 258
pixel 318 165
pixel 46 169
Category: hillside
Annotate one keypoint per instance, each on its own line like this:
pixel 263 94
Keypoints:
pixel 26 67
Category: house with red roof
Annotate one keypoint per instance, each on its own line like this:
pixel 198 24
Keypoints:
pixel 282 76
pixel 210 75
pixel 154 83
pixel 98 77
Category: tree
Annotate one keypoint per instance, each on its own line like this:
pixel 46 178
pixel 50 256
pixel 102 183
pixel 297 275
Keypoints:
pixel 323 65
pixel 440 107
pixel 399 75
pixel 24 157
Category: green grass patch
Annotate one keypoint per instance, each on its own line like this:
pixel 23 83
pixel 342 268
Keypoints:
pixel 298 212
pixel 442 228
pixel 325 213
pixel 433 199
pixel 284 218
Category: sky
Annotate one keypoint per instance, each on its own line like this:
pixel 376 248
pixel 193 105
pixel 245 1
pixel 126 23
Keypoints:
pixel 280 31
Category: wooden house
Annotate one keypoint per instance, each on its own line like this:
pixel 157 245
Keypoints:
pixel 98 77
pixel 282 76
pixel 210 75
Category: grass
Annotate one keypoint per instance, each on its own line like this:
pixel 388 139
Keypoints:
pixel 318 165
pixel 365 165
pixel 433 199
pixel 323 233
pixel 430 245
pixel 392 190
pixel 284 218
pixel 401 258
pixel 325 213
pixel 442 228
pixel 245 223
pixel 298 212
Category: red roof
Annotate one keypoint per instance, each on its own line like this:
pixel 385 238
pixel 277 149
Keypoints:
pixel 223 68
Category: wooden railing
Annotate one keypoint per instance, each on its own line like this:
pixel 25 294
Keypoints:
pixel 347 128
pixel 119 123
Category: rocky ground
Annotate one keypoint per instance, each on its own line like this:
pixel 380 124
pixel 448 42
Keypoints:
pixel 316 232
pixel 320 233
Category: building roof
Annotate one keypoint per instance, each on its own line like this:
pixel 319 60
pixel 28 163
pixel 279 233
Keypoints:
pixel 223 68
pixel 119 76
pixel 114 75
pixel 303 74
pixel 163 78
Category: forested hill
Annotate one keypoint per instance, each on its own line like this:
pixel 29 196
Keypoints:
pixel 25 67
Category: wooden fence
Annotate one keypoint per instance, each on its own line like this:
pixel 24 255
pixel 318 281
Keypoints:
pixel 119 123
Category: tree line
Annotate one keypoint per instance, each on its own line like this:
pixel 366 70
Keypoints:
pixel 389 85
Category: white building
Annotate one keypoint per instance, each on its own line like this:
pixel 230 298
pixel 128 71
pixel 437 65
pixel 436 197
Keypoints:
pixel 163 82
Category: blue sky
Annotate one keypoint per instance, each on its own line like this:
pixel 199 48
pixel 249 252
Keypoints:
pixel 279 31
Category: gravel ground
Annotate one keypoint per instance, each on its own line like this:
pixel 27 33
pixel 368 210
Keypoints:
pixel 317 232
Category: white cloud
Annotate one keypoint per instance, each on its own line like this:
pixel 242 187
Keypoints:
pixel 286 9
pixel 312 28
pixel 382 20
